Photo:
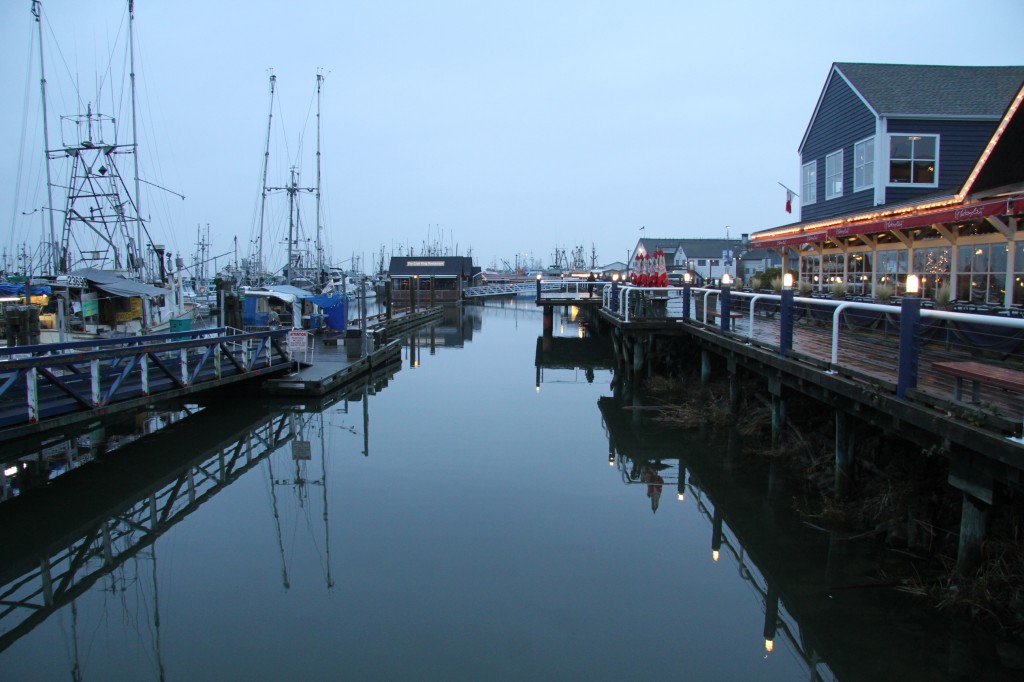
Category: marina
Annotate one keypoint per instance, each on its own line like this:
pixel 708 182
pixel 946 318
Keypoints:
pixel 793 450
pixel 366 526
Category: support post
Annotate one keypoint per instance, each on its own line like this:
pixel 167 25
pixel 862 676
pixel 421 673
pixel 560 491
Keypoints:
pixel 910 315
pixel 613 303
pixel 786 322
pixel 144 372
pixel 32 394
pixel 538 289
pixel 844 454
pixel 94 375
pixel 705 367
pixel 973 519
pixel 734 388
pixel 724 321
pixel 778 410
pixel 686 301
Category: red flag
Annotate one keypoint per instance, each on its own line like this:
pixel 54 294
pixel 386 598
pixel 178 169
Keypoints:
pixel 789 201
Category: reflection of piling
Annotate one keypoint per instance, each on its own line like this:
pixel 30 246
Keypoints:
pixel 716 533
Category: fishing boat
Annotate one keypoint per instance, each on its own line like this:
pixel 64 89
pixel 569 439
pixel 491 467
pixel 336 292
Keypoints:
pixel 107 276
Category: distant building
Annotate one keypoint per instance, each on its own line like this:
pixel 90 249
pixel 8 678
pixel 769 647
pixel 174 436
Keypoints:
pixel 707 259
pixel 447 276
pixel 908 169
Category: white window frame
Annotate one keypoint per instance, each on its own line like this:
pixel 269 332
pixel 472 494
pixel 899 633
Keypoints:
pixel 888 162
pixel 864 149
pixel 834 175
pixel 809 183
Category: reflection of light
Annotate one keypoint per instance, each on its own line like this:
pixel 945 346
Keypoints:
pixel 538 389
pixel 10 471
pixel 611 459
pixel 680 496
pixel 769 645
pixel 714 554
pixel 580 334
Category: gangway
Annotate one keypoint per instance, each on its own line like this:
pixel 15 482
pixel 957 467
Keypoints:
pixel 52 385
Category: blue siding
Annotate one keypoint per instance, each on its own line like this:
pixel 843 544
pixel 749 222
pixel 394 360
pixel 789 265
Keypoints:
pixel 960 145
pixel 841 120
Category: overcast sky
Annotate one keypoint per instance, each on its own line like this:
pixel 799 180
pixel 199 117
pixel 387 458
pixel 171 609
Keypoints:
pixel 506 126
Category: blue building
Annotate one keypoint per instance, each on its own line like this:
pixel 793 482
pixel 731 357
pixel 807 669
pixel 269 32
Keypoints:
pixel 912 169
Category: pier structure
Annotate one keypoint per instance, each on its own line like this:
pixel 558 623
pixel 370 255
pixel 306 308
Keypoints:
pixel 876 366
pixel 54 385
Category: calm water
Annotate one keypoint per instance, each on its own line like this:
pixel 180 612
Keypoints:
pixel 469 517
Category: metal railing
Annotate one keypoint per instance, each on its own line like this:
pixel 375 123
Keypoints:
pixel 52 380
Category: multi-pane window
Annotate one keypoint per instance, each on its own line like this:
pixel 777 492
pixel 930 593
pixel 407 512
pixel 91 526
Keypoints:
pixel 809 183
pixel 864 164
pixel 981 273
pixel 834 175
pixel 913 159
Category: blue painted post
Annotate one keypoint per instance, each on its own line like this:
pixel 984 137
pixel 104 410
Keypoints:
pixel 910 316
pixel 786 322
pixel 723 303
pixel 538 289
pixel 686 300
pixel 614 303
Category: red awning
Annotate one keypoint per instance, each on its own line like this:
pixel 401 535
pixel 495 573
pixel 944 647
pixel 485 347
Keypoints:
pixel 964 212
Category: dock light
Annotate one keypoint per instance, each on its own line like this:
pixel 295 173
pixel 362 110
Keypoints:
pixel 681 496
pixel 726 279
pixel 615 277
pixel 769 645
pixel 687 277
pixel 787 280
pixel 10 471
pixel 611 459
pixel 538 276
pixel 913 284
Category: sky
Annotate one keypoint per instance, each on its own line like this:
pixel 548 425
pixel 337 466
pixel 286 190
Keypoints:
pixel 502 129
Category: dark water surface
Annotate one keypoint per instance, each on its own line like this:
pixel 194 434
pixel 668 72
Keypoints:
pixel 470 516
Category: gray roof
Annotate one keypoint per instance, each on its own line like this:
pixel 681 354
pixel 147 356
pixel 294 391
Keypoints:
pixel 948 91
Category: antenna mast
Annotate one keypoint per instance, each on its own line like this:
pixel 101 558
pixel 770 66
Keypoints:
pixel 319 227
pixel 37 11
pixel 135 143
pixel 266 162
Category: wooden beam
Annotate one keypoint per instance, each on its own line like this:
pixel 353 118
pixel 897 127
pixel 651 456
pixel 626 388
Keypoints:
pixel 1003 228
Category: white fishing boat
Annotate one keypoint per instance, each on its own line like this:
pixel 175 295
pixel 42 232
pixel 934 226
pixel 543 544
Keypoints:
pixel 107 276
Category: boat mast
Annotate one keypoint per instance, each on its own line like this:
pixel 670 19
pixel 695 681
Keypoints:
pixel 37 10
pixel 135 149
pixel 319 226
pixel 266 162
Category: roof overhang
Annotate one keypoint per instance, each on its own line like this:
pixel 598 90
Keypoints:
pixel 910 217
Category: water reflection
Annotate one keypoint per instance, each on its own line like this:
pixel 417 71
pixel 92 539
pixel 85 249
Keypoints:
pixel 487 531
pixel 91 533
pixel 815 590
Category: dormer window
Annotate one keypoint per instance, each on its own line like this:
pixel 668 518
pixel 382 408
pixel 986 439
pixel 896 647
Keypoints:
pixel 913 159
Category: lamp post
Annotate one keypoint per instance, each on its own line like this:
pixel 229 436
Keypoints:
pixel 614 302
pixel 724 302
pixel 687 279
pixel 910 316
pixel 786 315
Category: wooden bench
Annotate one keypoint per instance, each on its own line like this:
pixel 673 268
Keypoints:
pixel 733 316
pixel 979 373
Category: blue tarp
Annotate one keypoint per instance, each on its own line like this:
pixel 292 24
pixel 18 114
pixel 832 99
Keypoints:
pixel 335 309
pixel 12 289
